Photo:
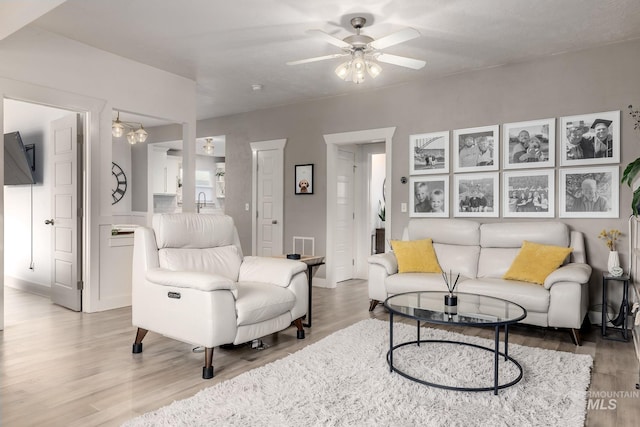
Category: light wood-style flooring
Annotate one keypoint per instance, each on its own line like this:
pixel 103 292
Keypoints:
pixel 60 368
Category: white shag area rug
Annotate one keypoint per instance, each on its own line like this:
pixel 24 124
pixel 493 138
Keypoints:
pixel 344 380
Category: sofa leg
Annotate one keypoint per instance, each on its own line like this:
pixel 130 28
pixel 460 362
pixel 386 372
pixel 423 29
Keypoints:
pixel 300 332
pixel 575 337
pixel 207 370
pixel 137 344
pixel 372 304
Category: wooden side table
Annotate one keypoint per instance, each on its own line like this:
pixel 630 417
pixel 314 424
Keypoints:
pixel 624 308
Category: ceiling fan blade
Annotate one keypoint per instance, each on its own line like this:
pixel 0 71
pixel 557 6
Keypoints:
pixel 402 61
pixel 395 38
pixel 330 39
pixel 317 58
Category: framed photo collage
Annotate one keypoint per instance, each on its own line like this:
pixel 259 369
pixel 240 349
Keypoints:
pixel 522 163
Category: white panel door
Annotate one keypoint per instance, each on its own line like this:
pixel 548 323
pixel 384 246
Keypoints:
pixel 345 216
pixel 66 289
pixel 269 203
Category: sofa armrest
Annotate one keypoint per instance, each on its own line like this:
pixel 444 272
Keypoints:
pixel 573 272
pixel 279 271
pixel 189 279
pixel 387 260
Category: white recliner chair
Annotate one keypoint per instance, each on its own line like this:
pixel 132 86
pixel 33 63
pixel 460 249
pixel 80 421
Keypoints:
pixel 192 283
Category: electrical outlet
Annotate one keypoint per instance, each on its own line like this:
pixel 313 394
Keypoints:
pixel 246 206
pixel 403 207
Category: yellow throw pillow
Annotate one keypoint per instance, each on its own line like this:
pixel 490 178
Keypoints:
pixel 416 256
pixel 535 262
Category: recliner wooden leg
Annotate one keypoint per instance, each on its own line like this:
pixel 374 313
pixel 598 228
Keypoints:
pixel 575 337
pixel 300 332
pixel 372 304
pixel 137 344
pixel 207 369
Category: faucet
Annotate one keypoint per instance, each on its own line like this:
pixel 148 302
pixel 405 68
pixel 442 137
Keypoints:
pixel 199 204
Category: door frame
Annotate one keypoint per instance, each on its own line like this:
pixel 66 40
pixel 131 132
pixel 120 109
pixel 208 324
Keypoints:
pixel 274 144
pixel 333 141
pixel 92 111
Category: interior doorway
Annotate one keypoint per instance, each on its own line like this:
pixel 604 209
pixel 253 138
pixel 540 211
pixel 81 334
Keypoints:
pixel 336 143
pixel 29 208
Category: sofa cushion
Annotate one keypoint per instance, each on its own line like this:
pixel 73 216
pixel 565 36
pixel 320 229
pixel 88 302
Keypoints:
pixel 416 256
pixel 458 258
pixel 191 230
pixel 494 262
pixel 450 231
pixel 531 296
pixel 224 261
pixel 535 262
pixel 512 234
pixel 258 302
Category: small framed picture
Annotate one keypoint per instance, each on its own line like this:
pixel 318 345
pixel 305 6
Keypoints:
pixel 429 153
pixel 590 139
pixel 476 194
pixel 529 144
pixel 528 194
pixel 476 149
pixel 304 179
pixel 429 196
pixel 589 192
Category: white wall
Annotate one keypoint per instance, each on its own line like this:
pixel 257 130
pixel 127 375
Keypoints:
pixel 48 69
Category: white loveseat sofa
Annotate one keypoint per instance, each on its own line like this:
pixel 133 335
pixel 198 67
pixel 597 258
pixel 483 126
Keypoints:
pixel 192 283
pixel 482 253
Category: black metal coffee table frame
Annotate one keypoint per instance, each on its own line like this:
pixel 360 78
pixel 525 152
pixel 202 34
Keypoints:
pixel 496 350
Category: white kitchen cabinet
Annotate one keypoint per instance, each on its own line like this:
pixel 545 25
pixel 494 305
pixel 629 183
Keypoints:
pixel 173 173
pixel 165 171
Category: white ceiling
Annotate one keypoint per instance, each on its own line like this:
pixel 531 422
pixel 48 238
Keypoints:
pixel 226 46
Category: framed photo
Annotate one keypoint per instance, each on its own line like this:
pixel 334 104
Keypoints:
pixel 589 192
pixel 429 153
pixel 429 196
pixel 529 144
pixel 476 149
pixel 590 139
pixel 304 179
pixel 528 194
pixel 476 194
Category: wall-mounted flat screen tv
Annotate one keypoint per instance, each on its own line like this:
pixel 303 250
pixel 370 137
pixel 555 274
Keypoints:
pixel 19 160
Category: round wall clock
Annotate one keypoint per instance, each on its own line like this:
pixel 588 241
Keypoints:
pixel 117 192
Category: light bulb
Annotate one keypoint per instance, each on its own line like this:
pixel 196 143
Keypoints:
pixel 208 147
pixel 131 137
pixel 117 128
pixel 373 69
pixel 141 134
pixel 343 70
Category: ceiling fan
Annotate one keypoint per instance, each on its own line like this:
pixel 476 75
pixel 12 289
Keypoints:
pixel 365 52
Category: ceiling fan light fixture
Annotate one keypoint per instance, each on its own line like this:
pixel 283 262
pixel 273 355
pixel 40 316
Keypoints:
pixel 343 70
pixel 373 69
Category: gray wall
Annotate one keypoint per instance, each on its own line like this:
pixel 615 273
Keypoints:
pixel 601 79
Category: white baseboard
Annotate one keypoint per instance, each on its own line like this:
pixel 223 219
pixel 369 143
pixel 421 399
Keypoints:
pixel 26 286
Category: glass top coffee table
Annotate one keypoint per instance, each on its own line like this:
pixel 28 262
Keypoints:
pixel 470 310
